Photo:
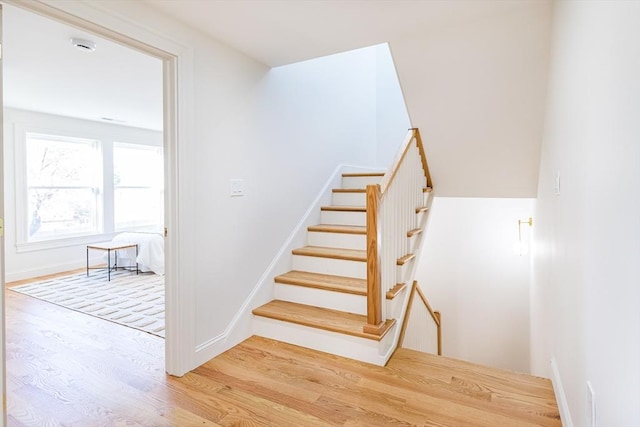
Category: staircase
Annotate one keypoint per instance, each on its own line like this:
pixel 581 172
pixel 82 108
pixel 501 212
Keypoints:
pixel 322 303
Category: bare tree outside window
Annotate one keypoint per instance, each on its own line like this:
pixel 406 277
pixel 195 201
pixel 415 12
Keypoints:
pixel 61 186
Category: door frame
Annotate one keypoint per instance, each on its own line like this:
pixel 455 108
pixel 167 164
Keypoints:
pixel 3 365
pixel 177 60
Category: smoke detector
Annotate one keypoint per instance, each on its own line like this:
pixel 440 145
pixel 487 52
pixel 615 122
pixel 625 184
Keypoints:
pixel 83 44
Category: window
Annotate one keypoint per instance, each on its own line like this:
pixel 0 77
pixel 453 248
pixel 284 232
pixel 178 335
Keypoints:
pixel 62 177
pixel 75 186
pixel 138 186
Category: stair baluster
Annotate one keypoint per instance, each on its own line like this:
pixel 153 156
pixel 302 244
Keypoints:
pixel 393 207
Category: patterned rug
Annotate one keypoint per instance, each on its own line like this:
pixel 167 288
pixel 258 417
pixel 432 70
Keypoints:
pixel 136 301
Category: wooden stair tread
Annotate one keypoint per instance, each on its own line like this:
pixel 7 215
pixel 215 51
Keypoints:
pixel 405 259
pixel 422 209
pixel 358 174
pixel 320 318
pixel 393 292
pixel 336 228
pixel 349 285
pixel 335 253
pixel 349 190
pixel 413 232
pixel 344 208
pixel 427 190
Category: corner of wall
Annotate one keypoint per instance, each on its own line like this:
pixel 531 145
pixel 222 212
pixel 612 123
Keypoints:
pixel 392 116
pixel 561 398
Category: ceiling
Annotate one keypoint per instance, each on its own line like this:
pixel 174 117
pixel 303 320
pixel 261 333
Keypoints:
pixel 279 32
pixel 44 72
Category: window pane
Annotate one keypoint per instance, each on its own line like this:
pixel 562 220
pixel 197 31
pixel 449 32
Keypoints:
pixel 137 166
pixel 137 207
pixel 52 162
pixel 55 212
pixel 138 186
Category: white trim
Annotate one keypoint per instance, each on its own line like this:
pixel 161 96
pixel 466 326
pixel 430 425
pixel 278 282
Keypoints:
pixel 241 326
pixel 103 20
pixel 3 358
pixel 561 398
pixel 180 299
pixel 63 242
pixel 21 187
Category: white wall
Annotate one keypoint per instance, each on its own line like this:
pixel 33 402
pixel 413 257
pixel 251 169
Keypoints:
pixel 476 90
pixel 470 272
pixel 586 282
pixel 392 119
pixel 305 120
pixel 25 263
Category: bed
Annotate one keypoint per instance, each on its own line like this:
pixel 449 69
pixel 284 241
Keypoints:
pixel 150 251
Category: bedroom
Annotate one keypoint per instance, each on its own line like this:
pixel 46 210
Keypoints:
pixel 83 146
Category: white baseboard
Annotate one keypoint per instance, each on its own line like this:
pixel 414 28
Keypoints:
pixel 561 398
pixel 50 269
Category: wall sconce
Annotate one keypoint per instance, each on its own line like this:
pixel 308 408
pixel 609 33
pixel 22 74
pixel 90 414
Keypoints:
pixel 522 247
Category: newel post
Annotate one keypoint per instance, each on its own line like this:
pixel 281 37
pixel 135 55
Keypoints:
pixel 375 324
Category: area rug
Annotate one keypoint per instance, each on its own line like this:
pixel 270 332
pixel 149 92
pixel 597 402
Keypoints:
pixel 136 301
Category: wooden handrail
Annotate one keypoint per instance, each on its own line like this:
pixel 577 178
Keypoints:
pixel 407 314
pixel 426 303
pixel 388 177
pixel 435 315
pixel 423 157
pixel 439 329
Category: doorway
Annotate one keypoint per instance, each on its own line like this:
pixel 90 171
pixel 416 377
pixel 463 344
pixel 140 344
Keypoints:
pixel 176 344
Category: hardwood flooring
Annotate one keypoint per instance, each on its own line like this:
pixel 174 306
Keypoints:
pixel 68 369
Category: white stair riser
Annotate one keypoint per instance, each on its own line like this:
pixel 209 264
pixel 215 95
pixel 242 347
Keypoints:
pixel 337 240
pixel 336 267
pixel 343 218
pixel 359 181
pixel 322 298
pixel 425 198
pixel 403 271
pixel 357 348
pixel 349 199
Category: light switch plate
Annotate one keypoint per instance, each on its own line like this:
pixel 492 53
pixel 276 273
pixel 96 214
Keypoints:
pixel 236 187
pixel 556 184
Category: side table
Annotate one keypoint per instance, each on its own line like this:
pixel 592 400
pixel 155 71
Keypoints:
pixel 109 247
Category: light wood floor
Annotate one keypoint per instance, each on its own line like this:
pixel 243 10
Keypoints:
pixel 68 369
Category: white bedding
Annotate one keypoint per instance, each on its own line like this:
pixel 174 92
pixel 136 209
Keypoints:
pixel 150 251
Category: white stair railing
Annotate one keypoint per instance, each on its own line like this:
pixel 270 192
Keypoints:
pixel 392 211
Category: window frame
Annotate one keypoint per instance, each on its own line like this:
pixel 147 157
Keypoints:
pixel 105 186
pixel 23 244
